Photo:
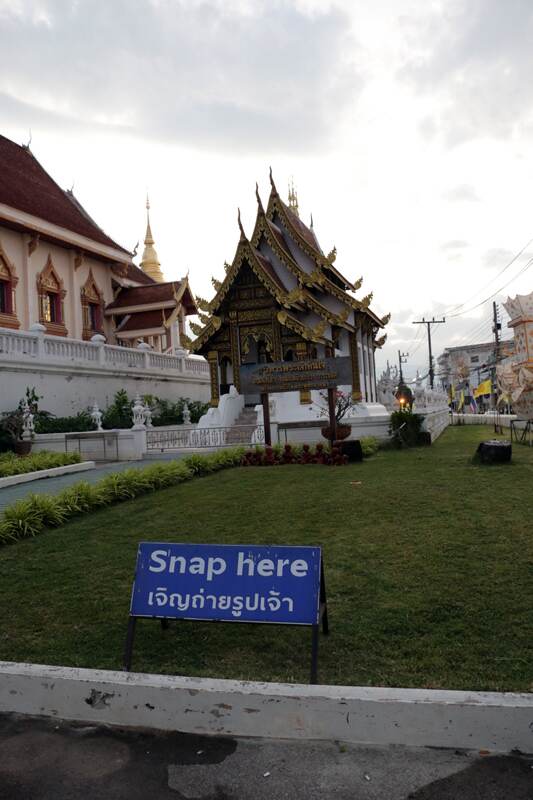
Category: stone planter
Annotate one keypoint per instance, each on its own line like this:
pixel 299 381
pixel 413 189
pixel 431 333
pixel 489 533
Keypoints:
pixel 22 447
pixel 342 432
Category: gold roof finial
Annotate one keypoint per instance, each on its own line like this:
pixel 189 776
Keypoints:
pixel 150 262
pixel 293 199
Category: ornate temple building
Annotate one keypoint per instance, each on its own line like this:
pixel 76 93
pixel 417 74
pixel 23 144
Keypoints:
pixel 283 299
pixel 60 271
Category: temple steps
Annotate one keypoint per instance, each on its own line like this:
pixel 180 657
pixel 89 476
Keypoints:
pixel 245 424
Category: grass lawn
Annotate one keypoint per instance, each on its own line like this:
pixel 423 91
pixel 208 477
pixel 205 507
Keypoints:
pixel 428 564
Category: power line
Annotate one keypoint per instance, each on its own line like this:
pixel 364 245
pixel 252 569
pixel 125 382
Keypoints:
pixel 526 267
pixel 450 312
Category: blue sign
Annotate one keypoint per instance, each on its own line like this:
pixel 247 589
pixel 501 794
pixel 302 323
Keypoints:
pixel 231 583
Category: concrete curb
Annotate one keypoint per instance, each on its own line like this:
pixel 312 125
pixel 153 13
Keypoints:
pixel 363 715
pixel 53 472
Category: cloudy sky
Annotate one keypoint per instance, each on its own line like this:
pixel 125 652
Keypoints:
pixel 407 126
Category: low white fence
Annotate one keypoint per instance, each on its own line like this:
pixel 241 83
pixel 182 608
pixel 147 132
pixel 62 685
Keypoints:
pixel 197 438
pixel 28 346
pixel 503 420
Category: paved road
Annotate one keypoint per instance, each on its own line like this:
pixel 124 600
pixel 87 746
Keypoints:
pixel 52 760
pixel 53 485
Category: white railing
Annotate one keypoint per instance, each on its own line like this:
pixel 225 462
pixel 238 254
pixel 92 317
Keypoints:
pixel 193 438
pixel 123 356
pixel 482 419
pixel 196 367
pixel 13 344
pixel 62 349
pixel 23 346
pixel 162 361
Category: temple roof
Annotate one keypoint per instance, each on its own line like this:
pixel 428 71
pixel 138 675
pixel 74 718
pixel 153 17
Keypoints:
pixel 287 258
pixel 27 187
pixel 135 273
pixel 164 293
pixel 141 321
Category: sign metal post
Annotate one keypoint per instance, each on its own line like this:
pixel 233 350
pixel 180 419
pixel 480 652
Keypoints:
pixel 266 419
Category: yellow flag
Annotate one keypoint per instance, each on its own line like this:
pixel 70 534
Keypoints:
pixel 483 388
pixel 452 392
pixel 461 400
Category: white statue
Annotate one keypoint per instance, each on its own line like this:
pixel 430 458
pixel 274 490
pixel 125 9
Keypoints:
pixel 96 416
pixel 148 416
pixel 186 415
pixel 28 428
pixel 138 412
pixel 515 373
pixel 387 386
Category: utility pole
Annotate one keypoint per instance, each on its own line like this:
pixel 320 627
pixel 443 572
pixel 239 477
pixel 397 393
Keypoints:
pixel 429 323
pixel 496 328
pixel 402 359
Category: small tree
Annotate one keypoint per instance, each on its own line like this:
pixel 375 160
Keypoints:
pixel 343 404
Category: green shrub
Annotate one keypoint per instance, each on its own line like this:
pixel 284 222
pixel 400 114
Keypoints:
pixel 32 515
pixel 118 414
pixel 10 464
pixel 20 521
pixel 45 422
pixel 405 428
pixel 369 446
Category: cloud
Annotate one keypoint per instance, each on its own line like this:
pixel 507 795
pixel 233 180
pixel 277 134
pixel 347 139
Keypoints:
pixel 497 257
pixel 474 59
pixel 462 193
pixel 455 244
pixel 233 75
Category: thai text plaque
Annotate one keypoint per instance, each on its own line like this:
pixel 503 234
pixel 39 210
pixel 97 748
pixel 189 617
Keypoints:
pixel 292 376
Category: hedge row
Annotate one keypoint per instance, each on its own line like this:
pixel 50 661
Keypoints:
pixel 32 515
pixel 10 464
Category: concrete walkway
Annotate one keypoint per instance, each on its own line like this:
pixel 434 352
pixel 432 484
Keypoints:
pixel 11 494
pixel 55 760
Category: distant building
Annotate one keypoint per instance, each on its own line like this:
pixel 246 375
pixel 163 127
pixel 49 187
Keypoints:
pixel 469 365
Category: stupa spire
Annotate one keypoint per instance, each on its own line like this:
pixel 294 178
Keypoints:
pixel 293 199
pixel 150 262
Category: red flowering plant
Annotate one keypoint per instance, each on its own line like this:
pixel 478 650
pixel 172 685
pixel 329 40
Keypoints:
pixel 290 454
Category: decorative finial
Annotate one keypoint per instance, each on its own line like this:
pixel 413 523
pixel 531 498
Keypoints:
pixel 311 222
pixel 293 199
pixel 272 181
pixel 243 235
pixel 27 146
pixel 150 261
pixel 260 204
pixel 135 250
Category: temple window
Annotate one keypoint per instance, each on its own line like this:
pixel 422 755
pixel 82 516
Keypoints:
pixel 4 296
pixel 8 281
pixel 51 310
pixel 51 300
pixel 92 304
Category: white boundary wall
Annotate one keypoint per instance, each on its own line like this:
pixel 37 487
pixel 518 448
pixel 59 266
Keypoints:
pixel 365 715
pixel 71 375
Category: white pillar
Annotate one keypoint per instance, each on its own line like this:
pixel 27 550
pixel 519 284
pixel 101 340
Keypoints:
pixel 362 383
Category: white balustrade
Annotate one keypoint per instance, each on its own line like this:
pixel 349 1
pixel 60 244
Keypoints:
pixel 196 367
pixel 24 346
pixel 12 343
